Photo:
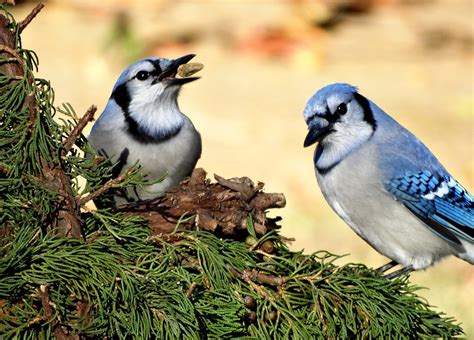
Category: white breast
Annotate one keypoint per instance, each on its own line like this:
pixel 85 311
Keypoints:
pixel 174 158
pixel 354 190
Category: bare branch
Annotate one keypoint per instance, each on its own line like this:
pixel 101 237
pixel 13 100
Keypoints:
pixel 12 52
pixel 31 103
pixel 12 67
pixel 22 24
pixel 190 289
pixel 48 307
pixel 255 286
pixel 263 278
pixel 108 185
pixel 76 132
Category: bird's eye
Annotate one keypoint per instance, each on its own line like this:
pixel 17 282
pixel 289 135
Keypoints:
pixel 341 109
pixel 143 75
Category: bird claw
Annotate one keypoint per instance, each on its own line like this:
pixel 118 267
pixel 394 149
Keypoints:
pixel 400 272
pixel 386 267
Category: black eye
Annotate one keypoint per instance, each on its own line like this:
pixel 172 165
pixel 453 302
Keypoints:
pixel 143 75
pixel 341 109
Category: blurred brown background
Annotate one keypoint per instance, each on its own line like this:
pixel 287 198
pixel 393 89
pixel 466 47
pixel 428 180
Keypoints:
pixel 263 60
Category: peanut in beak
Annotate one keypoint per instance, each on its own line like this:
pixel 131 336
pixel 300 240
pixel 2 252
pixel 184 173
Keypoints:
pixel 187 70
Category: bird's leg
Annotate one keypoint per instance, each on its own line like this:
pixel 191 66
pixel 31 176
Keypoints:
pixel 402 271
pixel 386 267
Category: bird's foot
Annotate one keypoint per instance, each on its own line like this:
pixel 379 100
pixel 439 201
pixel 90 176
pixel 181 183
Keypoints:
pixel 402 271
pixel 386 267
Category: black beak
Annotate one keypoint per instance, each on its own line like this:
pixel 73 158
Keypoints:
pixel 169 75
pixel 317 131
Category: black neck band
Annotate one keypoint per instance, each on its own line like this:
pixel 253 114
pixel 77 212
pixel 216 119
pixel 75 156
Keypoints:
pixel 122 98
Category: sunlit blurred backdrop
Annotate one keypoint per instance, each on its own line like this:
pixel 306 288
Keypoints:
pixel 263 60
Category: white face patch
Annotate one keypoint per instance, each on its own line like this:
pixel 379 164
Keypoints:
pixel 350 132
pixel 152 103
pixel 144 92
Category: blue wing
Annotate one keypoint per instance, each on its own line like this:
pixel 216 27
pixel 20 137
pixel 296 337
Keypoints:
pixel 439 201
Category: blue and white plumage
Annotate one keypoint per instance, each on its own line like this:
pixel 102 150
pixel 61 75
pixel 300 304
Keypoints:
pixel 385 184
pixel 142 123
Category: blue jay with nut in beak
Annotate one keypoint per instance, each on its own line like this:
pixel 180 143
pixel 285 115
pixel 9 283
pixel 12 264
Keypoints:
pixel 385 183
pixel 142 123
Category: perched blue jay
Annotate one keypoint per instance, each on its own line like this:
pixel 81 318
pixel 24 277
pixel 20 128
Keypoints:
pixel 142 122
pixel 385 184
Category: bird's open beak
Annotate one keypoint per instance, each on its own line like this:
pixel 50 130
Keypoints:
pixel 318 129
pixel 169 75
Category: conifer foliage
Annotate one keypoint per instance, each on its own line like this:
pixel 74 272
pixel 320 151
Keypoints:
pixel 70 272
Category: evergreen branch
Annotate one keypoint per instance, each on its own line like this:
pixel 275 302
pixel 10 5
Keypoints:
pixel 106 187
pixel 34 12
pixel 76 132
pixel 53 176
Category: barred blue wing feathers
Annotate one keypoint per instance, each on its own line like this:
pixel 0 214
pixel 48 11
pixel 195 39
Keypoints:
pixel 439 201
